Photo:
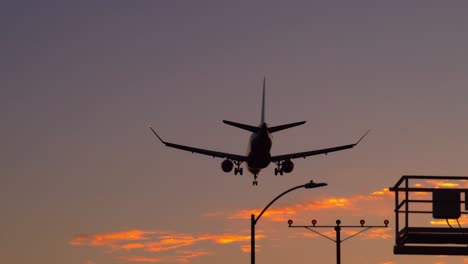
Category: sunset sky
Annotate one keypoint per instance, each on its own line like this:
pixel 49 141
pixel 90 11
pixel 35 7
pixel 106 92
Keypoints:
pixel 84 181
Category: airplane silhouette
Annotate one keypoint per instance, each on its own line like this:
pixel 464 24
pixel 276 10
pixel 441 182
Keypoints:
pixel 259 156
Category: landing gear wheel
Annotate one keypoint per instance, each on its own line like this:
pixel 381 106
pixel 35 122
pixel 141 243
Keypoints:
pixel 278 169
pixel 255 183
pixel 238 169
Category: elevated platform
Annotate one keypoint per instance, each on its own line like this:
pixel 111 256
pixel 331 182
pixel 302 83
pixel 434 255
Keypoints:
pixel 425 236
pixel 410 240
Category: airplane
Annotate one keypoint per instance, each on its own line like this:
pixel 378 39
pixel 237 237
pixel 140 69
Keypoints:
pixel 260 143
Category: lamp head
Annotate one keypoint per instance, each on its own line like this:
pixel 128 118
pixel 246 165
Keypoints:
pixel 312 184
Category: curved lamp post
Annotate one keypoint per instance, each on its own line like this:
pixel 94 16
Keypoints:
pixel 253 220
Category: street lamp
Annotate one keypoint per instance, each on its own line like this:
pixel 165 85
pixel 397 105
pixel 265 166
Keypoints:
pixel 253 220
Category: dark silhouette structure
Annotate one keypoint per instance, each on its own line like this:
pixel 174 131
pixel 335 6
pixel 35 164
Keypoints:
pixel 253 220
pixel 414 201
pixel 337 229
pixel 258 156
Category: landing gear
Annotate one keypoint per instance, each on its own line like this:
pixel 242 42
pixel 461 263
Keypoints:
pixel 278 169
pixel 238 169
pixel 255 182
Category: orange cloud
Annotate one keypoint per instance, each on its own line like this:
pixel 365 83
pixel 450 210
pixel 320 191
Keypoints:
pixel 283 213
pixel 453 222
pixel 172 242
pixel 168 246
pixel 229 238
pixel 176 241
pixel 187 255
pixel 384 191
pixel 377 233
pixel 314 235
pixel 139 259
pixel 444 184
pixel 110 238
pixel 380 233
pixel 132 246
pixel 246 248
pixel 157 242
pixel 436 184
pixel 274 214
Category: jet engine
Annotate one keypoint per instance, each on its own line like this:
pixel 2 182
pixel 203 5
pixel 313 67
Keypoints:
pixel 287 166
pixel 227 165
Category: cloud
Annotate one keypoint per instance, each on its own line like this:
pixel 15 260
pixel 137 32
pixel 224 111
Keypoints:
pixel 445 184
pixel 155 246
pixel 442 184
pixel 110 238
pixel 175 241
pixel 164 245
pixel 378 233
pixel 132 246
pixel 187 255
pixel 139 259
pixel 283 213
pixel 453 222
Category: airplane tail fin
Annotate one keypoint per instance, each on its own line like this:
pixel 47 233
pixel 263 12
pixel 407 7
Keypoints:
pixel 286 126
pixel 262 118
pixel 250 128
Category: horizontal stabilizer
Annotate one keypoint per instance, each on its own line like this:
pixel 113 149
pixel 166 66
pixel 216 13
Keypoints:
pixel 252 129
pixel 282 127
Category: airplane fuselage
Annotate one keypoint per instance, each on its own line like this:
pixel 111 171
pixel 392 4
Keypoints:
pixel 259 150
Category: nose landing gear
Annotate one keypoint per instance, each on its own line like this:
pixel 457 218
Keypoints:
pixel 255 182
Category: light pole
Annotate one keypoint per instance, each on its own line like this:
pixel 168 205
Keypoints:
pixel 337 228
pixel 253 220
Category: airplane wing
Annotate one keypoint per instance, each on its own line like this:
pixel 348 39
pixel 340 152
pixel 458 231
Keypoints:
pixel 212 153
pixel 315 152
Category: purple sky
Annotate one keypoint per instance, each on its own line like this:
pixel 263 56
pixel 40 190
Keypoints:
pixel 80 82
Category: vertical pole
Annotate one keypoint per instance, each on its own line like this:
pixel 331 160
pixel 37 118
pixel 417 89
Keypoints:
pixel 406 204
pixel 338 242
pixel 397 215
pixel 252 239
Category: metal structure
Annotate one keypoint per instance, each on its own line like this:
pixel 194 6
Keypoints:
pixel 337 229
pixel 253 220
pixel 413 205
